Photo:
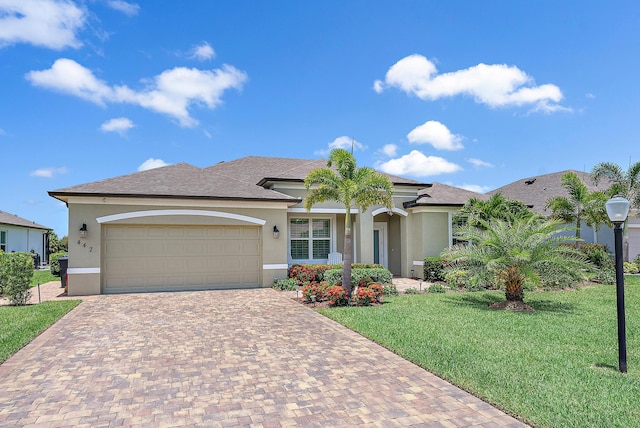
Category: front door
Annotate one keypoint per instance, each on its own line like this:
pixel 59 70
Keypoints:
pixel 380 243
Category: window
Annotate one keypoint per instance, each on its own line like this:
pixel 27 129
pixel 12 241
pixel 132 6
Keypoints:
pixel 310 238
pixel 3 240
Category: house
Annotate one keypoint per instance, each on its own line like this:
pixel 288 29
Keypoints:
pixel 20 235
pixel 536 191
pixel 237 224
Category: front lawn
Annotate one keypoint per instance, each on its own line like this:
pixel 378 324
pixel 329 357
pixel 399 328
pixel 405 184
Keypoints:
pixel 42 276
pixel 555 367
pixel 19 325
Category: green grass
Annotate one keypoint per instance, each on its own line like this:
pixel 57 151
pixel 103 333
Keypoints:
pixel 555 367
pixel 632 279
pixel 19 325
pixel 42 276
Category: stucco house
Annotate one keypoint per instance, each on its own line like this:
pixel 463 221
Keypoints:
pixel 536 191
pixel 237 224
pixel 21 235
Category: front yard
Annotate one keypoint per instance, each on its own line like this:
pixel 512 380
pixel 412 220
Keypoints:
pixel 555 367
pixel 21 324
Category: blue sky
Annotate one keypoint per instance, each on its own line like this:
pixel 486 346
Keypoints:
pixel 474 94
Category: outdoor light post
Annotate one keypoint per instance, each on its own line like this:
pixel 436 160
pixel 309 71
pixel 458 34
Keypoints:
pixel 617 210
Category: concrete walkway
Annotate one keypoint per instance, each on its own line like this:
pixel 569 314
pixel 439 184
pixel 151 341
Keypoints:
pixel 221 359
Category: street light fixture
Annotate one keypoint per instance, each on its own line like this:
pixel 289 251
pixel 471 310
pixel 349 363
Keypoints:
pixel 617 210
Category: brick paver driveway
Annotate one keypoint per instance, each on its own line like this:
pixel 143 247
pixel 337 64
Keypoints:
pixel 221 358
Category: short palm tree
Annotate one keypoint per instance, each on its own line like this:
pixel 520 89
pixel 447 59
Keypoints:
pixel 476 210
pixel 342 181
pixel 581 205
pixel 525 248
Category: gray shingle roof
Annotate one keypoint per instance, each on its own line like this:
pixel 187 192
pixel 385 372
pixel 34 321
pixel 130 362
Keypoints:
pixel 535 191
pixel 237 179
pixel 444 195
pixel 14 220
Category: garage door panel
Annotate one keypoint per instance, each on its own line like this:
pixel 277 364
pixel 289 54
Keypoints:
pixel 155 258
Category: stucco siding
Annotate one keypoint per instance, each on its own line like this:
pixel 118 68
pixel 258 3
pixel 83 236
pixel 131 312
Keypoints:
pixel 21 239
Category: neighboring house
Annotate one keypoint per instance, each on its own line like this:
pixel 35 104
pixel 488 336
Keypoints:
pixel 536 191
pixel 237 224
pixel 20 235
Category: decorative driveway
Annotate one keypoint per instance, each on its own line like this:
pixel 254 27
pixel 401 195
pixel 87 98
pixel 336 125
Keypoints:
pixel 221 359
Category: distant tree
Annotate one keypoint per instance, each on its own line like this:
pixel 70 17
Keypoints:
pixel 342 181
pixel 581 205
pixel 623 183
pixel 476 212
pixel 54 243
pixel 512 251
pixel 64 243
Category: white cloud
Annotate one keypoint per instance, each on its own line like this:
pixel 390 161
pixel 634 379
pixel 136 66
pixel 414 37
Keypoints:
pixel 152 163
pixel 496 85
pixel 378 86
pixel 389 150
pixel 51 24
pixel 207 134
pixel 203 52
pixel 120 125
pixel 590 96
pixel 435 133
pixel 172 92
pixel 48 172
pixel 478 162
pixel 129 9
pixel 343 142
pixel 474 188
pixel 416 164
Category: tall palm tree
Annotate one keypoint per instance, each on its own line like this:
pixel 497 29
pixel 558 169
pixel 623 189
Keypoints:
pixel 623 183
pixel 581 205
pixel 342 181
pixel 525 248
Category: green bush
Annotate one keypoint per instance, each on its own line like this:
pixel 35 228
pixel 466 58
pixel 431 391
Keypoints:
pixel 637 260
pixel 285 284
pixel 54 264
pixel 433 269
pixel 318 289
pixel 374 274
pixel 390 290
pixel 436 288
pixel 630 267
pixel 456 278
pixel 16 270
pixel 411 290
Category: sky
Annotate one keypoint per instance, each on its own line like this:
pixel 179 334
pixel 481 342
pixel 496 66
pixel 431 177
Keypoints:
pixel 474 94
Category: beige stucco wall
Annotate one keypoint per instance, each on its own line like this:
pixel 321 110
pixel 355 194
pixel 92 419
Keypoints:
pixel 430 235
pixel 86 252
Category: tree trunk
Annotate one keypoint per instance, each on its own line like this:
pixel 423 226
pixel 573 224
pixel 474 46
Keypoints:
pixel 578 233
pixel 513 285
pixel 348 253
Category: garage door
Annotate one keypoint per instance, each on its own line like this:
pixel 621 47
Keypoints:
pixel 168 258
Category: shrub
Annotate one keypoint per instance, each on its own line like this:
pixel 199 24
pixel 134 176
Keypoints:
pixel 436 288
pixel 16 270
pixel 285 284
pixel 637 260
pixel 556 278
pixel 411 290
pixel 433 269
pixel 54 264
pixel 306 273
pixel 374 274
pixel 364 296
pixel 456 278
pixel 378 289
pixel 630 267
pixel 318 289
pixel 337 296
pixel 390 290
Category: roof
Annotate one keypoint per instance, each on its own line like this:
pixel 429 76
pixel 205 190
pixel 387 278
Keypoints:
pixel 234 180
pixel 536 191
pixel 443 195
pixel 14 220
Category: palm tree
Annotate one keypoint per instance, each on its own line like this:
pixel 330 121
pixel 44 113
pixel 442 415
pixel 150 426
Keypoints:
pixel 525 248
pixel 342 181
pixel 581 205
pixel 623 183
pixel 476 211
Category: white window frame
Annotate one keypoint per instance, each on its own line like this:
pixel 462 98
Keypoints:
pixel 3 246
pixel 311 217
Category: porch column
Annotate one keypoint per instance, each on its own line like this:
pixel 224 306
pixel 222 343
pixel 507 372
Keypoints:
pixel 364 237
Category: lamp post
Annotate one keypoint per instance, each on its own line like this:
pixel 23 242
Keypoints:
pixel 617 210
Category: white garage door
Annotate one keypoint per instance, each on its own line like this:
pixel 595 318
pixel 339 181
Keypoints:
pixel 634 242
pixel 164 258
